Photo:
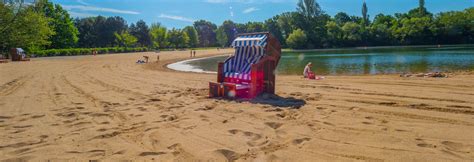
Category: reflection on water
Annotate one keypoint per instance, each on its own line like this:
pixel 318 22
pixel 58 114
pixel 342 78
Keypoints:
pixel 368 61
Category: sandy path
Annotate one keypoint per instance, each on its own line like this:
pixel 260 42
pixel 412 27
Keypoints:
pixel 107 107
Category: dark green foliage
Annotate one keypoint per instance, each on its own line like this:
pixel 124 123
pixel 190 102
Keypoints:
pixel 99 31
pixel 25 27
pixel 178 38
pixel 193 36
pixel 141 31
pixel 65 32
pixel 85 51
pixel 365 17
pixel 206 31
pixel 341 18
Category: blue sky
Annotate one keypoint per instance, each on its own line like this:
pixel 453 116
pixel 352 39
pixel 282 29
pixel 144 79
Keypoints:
pixel 180 13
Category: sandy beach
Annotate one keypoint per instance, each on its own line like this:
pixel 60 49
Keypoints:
pixel 106 107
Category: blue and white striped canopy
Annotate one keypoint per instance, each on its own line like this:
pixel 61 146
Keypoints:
pixel 259 40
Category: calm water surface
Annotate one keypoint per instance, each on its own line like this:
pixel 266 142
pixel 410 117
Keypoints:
pixel 366 61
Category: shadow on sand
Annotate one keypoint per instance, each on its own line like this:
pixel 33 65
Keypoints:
pixel 277 101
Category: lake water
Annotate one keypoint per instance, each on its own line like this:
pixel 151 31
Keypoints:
pixel 361 61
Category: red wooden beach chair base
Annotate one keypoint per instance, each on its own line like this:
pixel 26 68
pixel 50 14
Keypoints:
pixel 228 90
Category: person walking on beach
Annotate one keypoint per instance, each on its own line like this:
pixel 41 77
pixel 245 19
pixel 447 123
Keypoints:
pixel 191 54
pixel 194 53
pixel 307 70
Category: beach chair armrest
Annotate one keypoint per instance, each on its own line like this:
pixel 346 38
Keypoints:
pixel 220 72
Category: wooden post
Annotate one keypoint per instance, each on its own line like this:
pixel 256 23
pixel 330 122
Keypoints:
pixel 253 81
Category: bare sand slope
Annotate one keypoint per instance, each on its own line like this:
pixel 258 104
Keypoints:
pixel 109 108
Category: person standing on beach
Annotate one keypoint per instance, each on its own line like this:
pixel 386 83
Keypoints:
pixel 191 54
pixel 194 53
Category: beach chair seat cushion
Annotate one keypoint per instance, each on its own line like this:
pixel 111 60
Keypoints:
pixel 238 76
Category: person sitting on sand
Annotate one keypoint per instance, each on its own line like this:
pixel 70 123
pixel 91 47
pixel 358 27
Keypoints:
pixel 307 70
pixel 146 58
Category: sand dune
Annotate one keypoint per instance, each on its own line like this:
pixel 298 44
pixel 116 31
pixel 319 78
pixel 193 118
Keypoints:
pixel 109 108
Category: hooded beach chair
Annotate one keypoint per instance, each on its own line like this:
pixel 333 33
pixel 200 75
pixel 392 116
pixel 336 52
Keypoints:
pixel 251 70
pixel 18 54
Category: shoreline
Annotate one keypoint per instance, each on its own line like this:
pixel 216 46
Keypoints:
pixel 374 47
pixel 187 69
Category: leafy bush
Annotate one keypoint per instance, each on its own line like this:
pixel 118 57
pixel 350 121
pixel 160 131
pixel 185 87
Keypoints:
pixel 85 51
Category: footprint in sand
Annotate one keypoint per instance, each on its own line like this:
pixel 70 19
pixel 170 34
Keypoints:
pixel 22 126
pixel 101 130
pixel 154 100
pixel 120 152
pixel 327 123
pixel 273 125
pixel 206 108
pixel 5 117
pixel 97 153
pixel 151 153
pixel 254 139
pixel 228 154
pixel 37 116
pixel 458 147
pixel 300 140
pixel 169 117
pixel 427 145
pixel 142 109
pixel 368 123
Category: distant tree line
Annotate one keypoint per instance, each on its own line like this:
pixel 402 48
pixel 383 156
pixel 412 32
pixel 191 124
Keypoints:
pixel 45 25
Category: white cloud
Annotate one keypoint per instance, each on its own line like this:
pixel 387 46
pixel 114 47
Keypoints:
pixel 82 2
pixel 249 10
pixel 81 15
pixel 178 18
pixel 98 9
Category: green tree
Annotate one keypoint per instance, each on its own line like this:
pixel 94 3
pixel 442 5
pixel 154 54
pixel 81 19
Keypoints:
pixel 178 38
pixel 23 27
pixel 125 39
pixel 221 37
pixel 341 18
pixel 365 17
pixel 206 33
pixel 87 35
pixel 229 29
pixel 252 27
pixel 352 33
pixel 141 31
pixel 413 30
pixel 455 26
pixel 420 11
pixel 193 36
pixel 271 25
pixel 112 25
pixel 99 31
pixel 65 32
pixel 421 7
pixel 286 24
pixel 312 20
pixel 159 36
pixel 297 39
pixel 309 9
pixel 380 33
pixel 334 33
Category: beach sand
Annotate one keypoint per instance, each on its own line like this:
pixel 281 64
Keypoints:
pixel 106 107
